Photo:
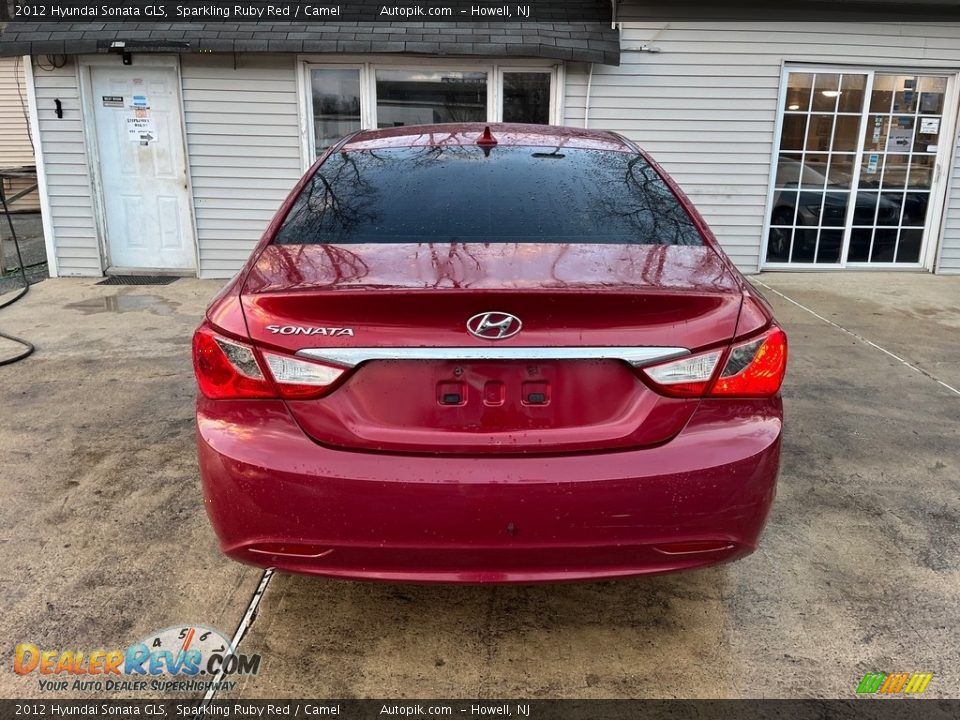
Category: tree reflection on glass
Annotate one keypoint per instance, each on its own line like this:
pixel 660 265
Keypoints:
pixel 465 194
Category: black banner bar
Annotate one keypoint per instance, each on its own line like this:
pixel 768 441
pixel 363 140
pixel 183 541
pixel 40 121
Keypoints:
pixel 429 11
pixel 306 11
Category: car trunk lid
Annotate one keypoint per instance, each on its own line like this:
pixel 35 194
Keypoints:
pixel 422 383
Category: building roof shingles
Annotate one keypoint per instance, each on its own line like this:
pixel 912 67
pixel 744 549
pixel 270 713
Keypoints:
pixel 584 42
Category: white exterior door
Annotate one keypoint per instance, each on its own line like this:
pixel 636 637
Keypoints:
pixel 859 169
pixel 143 174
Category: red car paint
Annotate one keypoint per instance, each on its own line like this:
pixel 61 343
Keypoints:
pixel 475 468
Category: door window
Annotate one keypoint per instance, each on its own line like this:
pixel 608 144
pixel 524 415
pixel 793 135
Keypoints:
pixel 901 142
pixel 815 167
pixel 855 168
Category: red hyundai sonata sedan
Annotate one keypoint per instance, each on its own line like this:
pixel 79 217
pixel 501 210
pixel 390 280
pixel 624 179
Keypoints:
pixel 464 353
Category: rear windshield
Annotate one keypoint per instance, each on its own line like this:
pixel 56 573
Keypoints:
pixel 507 195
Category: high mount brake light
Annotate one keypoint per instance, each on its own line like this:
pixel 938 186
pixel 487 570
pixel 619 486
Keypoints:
pixel 227 369
pixel 754 368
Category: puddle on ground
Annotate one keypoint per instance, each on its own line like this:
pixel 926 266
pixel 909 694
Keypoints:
pixel 125 303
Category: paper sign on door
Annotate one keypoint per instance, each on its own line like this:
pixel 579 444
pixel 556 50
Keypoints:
pixel 899 140
pixel 140 126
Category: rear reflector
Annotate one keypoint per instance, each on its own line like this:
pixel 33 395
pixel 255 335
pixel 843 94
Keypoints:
pixel 754 368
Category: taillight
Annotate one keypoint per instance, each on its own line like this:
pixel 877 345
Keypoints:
pixel 301 379
pixel 227 369
pixel 687 377
pixel 754 368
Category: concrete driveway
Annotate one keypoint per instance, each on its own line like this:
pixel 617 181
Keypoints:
pixel 103 537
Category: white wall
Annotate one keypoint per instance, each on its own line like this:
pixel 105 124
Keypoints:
pixel 68 178
pixel 950 247
pixel 705 106
pixel 243 146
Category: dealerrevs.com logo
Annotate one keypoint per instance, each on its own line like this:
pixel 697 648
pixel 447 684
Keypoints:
pixel 188 658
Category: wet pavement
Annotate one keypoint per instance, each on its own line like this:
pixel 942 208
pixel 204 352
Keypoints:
pixel 104 538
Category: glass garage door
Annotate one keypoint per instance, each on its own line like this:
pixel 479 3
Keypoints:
pixel 856 169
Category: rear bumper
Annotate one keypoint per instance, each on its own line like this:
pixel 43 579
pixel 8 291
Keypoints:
pixel 492 519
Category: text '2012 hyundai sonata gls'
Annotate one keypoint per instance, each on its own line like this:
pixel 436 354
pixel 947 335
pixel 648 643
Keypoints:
pixel 472 353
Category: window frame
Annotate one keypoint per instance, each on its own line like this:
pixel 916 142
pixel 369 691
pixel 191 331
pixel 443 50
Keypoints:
pixel 368 66
pixel 441 67
pixel 933 230
pixel 308 129
pixel 554 88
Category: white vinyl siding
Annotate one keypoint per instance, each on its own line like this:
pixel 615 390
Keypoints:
pixel 705 105
pixel 15 146
pixel 950 248
pixel 68 178
pixel 243 147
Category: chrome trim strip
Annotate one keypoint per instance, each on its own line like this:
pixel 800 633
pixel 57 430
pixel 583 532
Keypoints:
pixel 353 356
